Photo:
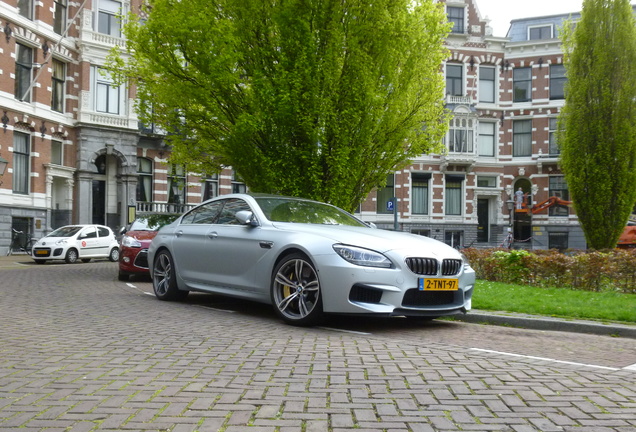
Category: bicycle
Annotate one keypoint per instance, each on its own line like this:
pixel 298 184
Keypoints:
pixel 20 242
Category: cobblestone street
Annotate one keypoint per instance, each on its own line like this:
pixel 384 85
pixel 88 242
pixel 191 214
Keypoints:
pixel 81 351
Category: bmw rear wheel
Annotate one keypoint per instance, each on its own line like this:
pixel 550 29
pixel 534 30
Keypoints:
pixel 164 279
pixel 295 291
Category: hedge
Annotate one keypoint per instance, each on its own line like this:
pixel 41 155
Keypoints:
pixel 612 270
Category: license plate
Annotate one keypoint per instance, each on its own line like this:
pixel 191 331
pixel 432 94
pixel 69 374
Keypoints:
pixel 41 252
pixel 431 284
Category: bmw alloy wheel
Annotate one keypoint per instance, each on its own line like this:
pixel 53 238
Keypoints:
pixel 296 291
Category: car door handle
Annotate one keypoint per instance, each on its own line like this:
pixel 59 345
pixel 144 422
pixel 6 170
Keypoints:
pixel 213 235
pixel 178 233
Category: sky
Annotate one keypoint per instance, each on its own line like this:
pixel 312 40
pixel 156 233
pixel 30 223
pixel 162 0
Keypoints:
pixel 501 12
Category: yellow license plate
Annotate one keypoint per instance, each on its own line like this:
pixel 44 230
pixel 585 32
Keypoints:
pixel 431 284
pixel 41 252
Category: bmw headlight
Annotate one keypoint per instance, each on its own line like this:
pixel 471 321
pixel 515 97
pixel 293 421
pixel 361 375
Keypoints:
pixel 465 260
pixel 362 257
pixel 130 242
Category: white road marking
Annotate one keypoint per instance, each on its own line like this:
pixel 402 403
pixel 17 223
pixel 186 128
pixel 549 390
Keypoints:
pixel 552 360
pixel 632 367
pixel 141 291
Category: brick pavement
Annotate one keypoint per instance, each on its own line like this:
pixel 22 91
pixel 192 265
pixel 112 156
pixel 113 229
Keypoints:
pixel 81 351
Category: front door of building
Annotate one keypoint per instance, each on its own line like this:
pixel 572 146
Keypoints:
pixel 99 202
pixel 483 224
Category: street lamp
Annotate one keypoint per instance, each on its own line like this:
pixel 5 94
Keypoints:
pixel 3 166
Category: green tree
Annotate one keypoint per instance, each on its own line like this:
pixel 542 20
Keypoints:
pixel 312 98
pixel 597 127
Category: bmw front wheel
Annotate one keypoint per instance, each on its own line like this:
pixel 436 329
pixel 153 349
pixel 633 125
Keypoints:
pixel 295 291
pixel 164 278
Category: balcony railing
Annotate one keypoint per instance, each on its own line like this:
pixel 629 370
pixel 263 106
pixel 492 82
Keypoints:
pixel 161 207
pixel 458 100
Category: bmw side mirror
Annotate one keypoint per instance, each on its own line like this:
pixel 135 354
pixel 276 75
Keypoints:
pixel 246 217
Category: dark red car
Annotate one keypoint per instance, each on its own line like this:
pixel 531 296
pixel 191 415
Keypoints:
pixel 133 252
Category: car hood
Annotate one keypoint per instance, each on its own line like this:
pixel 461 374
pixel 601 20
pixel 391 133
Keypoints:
pixel 53 240
pixel 377 239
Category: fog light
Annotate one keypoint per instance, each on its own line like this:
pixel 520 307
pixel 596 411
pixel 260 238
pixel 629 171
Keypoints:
pixel 126 260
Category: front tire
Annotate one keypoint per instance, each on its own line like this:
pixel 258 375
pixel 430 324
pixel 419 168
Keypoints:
pixel 114 254
pixel 122 276
pixel 295 291
pixel 164 278
pixel 71 256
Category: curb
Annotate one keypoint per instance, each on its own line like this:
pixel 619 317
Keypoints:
pixel 535 322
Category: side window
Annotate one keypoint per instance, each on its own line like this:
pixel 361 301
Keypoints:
pixel 89 232
pixel 231 207
pixel 103 232
pixel 204 214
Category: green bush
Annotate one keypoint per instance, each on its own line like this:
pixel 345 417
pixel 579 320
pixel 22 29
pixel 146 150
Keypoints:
pixel 612 270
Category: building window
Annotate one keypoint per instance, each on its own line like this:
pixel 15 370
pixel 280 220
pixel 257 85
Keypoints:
pixel 522 138
pixel 486 181
pixel 211 187
pixel 238 186
pixel 25 8
pixel 422 232
pixel 487 84
pixel 57 86
pixel 538 33
pixel 486 139
pixel 558 240
pixel 557 82
pixel 522 84
pixel 419 193
pixel 453 195
pixel 23 68
pixel 553 146
pixel 177 185
pixel 460 135
pixel 57 152
pixel 453 238
pixel 108 20
pixel 456 16
pixel 21 162
pixel 454 80
pixel 385 194
pixel 108 96
pixel 144 180
pixel 559 189
pixel 59 17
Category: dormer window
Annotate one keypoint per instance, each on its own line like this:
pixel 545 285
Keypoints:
pixel 456 16
pixel 540 32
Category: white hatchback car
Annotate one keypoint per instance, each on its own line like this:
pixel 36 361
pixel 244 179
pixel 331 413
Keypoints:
pixel 73 242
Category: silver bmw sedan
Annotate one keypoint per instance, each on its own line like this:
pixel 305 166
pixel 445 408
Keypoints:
pixel 307 259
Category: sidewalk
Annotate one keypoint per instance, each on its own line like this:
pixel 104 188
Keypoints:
pixel 533 322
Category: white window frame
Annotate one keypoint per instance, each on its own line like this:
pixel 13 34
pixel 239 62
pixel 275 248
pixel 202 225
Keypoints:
pixel 482 82
pixel 481 139
pixel 541 26
pixel 101 83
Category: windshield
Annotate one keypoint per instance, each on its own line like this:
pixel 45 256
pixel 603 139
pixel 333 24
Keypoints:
pixel 67 231
pixel 301 211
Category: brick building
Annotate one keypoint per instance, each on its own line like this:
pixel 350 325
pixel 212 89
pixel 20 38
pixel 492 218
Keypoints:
pixel 76 152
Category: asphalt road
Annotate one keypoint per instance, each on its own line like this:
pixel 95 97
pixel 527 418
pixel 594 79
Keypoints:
pixel 81 351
